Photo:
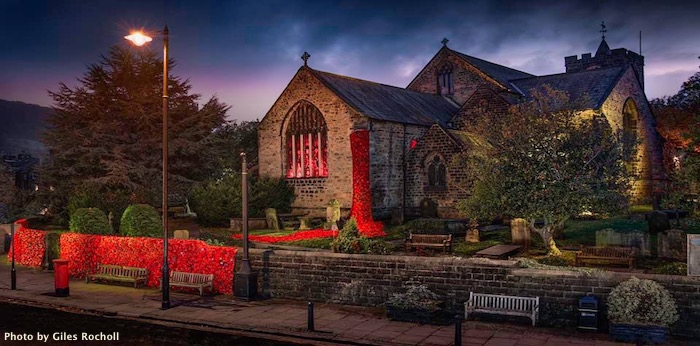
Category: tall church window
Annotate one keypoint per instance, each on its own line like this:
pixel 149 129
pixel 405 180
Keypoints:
pixel 306 143
pixel 436 173
pixel 445 80
pixel 629 122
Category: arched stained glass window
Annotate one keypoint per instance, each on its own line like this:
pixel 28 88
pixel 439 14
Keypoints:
pixel 437 173
pixel 306 143
pixel 445 80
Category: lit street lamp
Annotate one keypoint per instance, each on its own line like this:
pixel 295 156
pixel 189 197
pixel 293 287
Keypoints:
pixel 245 281
pixel 138 38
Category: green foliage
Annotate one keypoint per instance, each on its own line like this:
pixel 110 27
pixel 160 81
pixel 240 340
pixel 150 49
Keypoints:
pixel 566 259
pixel 89 221
pixel 141 220
pixel 93 196
pixel 232 138
pixel 215 242
pixel 642 302
pixel 673 268
pixel 349 240
pixel 416 296
pixel 216 201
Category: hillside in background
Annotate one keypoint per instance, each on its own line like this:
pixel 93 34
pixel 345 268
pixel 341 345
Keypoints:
pixel 21 126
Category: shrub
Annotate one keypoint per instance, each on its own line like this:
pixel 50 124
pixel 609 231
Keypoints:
pixel 674 268
pixel 89 221
pixel 91 196
pixel 349 240
pixel 216 201
pixel 141 220
pixel 417 296
pixel 642 302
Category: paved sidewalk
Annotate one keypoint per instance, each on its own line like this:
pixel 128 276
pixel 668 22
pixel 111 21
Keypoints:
pixel 333 323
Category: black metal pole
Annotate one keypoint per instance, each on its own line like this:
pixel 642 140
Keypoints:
pixel 166 271
pixel 310 317
pixel 245 281
pixel 458 330
pixel 13 275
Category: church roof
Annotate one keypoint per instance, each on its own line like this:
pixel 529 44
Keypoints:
pixel 591 86
pixel 389 103
pixel 499 73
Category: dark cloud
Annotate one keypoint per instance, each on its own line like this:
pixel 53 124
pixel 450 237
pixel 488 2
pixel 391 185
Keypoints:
pixel 246 52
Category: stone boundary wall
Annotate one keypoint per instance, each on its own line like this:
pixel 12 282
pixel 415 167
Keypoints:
pixel 370 280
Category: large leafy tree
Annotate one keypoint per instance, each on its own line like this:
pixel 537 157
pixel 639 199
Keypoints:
pixel 546 162
pixel 232 139
pixel 107 131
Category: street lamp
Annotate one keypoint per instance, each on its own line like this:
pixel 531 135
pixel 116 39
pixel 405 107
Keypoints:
pixel 245 282
pixel 139 39
pixel 13 275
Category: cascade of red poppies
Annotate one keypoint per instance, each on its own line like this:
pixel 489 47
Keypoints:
pixel 361 194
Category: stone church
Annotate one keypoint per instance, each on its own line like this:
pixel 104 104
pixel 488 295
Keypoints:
pixel 414 132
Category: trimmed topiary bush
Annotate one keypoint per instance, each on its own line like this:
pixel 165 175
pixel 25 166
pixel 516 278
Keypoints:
pixel 141 220
pixel 642 302
pixel 89 221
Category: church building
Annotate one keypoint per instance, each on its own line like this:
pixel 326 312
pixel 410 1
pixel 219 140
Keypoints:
pixel 414 132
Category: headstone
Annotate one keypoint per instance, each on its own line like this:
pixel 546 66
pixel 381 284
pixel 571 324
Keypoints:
pixel 332 215
pixel 672 244
pixel 693 254
pixel 635 239
pixel 304 223
pixel 397 216
pixel 273 222
pixel 181 234
pixel 520 233
pixel 608 237
pixel 428 208
pixel 473 235
pixel 658 222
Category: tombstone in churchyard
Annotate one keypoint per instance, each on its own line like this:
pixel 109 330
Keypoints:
pixel 397 216
pixel 637 240
pixel 693 254
pixel 304 223
pixel 658 222
pixel 608 237
pixel 520 232
pixel 473 232
pixel 672 244
pixel 332 214
pixel 181 234
pixel 272 220
pixel 428 208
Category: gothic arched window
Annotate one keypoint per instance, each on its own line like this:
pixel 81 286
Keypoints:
pixel 306 143
pixel 629 122
pixel 437 173
pixel 445 80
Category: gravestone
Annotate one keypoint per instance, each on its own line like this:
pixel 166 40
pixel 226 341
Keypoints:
pixel 635 239
pixel 608 237
pixel 473 235
pixel 658 222
pixel 272 220
pixel 397 216
pixel 332 215
pixel 520 233
pixel 304 223
pixel 428 208
pixel 693 254
pixel 672 244
pixel 181 234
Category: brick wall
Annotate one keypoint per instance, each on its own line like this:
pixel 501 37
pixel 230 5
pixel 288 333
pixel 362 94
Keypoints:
pixel 370 280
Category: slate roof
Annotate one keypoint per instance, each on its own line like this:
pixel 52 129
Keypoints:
pixel 389 103
pixel 500 73
pixel 593 86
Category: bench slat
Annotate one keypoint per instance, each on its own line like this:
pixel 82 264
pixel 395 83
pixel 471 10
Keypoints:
pixel 503 305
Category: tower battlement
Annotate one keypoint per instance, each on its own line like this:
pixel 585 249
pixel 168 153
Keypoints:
pixel 604 58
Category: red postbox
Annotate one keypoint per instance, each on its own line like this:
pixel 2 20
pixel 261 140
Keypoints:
pixel 60 269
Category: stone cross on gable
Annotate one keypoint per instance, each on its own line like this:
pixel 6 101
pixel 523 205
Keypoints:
pixel 306 57
pixel 444 41
pixel 603 30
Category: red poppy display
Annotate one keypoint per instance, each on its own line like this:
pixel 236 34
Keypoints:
pixel 361 194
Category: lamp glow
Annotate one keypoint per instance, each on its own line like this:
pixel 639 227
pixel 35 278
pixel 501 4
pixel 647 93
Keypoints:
pixel 138 38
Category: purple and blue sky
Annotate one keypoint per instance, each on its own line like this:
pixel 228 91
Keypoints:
pixel 246 52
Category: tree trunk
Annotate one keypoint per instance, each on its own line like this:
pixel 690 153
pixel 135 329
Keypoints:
pixel 547 234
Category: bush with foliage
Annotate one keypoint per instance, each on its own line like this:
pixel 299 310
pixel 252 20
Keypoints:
pixel 349 240
pixel 673 268
pixel 89 221
pixel 216 201
pixel 416 296
pixel 92 196
pixel 642 302
pixel 141 220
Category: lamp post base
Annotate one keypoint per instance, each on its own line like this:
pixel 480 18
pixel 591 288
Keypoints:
pixel 245 286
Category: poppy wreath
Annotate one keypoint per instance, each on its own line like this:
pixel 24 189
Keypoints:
pixel 301 235
pixel 361 195
pixel 86 251
pixel 29 246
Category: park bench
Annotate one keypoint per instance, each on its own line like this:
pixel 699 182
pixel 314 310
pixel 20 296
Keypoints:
pixel 503 305
pixel 612 254
pixel 119 273
pixel 429 240
pixel 192 280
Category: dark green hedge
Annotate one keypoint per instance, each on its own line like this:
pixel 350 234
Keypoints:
pixel 89 221
pixel 141 220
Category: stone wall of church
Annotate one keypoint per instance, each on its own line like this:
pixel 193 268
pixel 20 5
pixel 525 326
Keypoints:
pixel 313 194
pixel 651 174
pixel 466 78
pixel 434 142
pixel 389 143
pixel 483 102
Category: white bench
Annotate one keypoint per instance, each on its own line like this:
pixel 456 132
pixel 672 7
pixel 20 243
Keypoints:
pixel 503 305
pixel 192 280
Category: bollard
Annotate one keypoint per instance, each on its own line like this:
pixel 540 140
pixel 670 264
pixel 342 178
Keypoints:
pixel 310 319
pixel 458 330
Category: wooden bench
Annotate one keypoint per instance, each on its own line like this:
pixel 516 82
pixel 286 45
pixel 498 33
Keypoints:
pixel 429 240
pixel 109 272
pixel 621 255
pixel 192 280
pixel 503 305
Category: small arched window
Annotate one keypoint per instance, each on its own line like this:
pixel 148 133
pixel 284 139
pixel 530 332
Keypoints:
pixel 306 143
pixel 445 80
pixel 629 122
pixel 437 173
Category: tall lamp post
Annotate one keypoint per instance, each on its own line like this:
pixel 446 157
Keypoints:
pixel 13 275
pixel 139 39
pixel 245 281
